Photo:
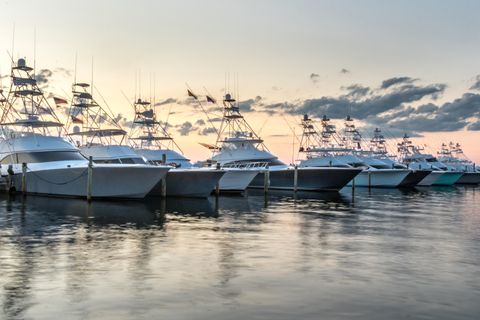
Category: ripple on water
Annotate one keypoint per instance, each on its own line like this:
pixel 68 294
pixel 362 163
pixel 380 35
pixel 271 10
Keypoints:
pixel 379 254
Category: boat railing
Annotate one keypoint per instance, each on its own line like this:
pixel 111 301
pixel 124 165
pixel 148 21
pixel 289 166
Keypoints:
pixel 246 165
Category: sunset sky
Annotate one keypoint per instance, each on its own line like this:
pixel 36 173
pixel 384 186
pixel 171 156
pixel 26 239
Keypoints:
pixel 404 66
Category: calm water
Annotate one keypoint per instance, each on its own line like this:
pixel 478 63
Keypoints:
pixel 387 254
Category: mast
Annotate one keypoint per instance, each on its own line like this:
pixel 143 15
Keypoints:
pixel 89 120
pixel 234 127
pixel 26 105
pixel 147 132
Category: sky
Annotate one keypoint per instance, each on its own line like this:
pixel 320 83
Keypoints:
pixel 403 66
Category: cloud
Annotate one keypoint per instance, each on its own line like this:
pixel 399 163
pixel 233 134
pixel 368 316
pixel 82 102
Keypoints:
pixel 207 131
pixel 474 126
pixel 200 122
pixel 395 81
pixel 185 128
pixel 476 85
pixel 398 104
pixel 166 101
pixel 314 77
pixel 43 77
pixel 356 91
pixel 373 104
pixel 248 105
pixel 344 71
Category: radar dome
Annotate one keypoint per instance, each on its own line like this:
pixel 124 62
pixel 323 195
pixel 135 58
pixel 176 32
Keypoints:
pixel 21 63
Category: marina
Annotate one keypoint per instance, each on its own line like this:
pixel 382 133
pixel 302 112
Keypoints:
pixel 264 160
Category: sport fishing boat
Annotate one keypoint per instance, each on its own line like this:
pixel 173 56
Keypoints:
pixel 454 157
pixel 326 148
pixel 238 146
pixel 378 150
pixel 414 158
pixel 152 142
pixel 38 160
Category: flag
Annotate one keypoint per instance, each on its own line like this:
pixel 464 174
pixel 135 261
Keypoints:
pixel 59 101
pixel 190 94
pixel 43 110
pixel 210 99
pixel 76 120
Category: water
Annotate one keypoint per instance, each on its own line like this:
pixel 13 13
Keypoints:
pixel 386 254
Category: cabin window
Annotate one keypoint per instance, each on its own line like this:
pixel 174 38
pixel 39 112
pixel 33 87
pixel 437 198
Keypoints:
pixel 132 161
pixel 37 157
pixel 107 161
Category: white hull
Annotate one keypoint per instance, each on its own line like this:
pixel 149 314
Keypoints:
pixel 193 183
pixel 381 178
pixel 237 180
pixel 108 181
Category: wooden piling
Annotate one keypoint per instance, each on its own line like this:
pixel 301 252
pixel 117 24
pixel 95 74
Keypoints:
pixel 266 180
pixel 10 187
pixel 90 179
pixel 24 178
pixel 163 182
pixel 217 186
pixel 369 179
pixel 295 179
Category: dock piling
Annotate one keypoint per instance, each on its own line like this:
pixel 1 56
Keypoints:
pixel 266 180
pixel 163 182
pixel 24 178
pixel 217 186
pixel 89 179
pixel 295 179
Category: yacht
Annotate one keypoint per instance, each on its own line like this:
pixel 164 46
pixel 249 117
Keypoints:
pixel 238 146
pixel 326 148
pixel 37 160
pixel 414 157
pixel 152 142
pixel 454 157
pixel 378 150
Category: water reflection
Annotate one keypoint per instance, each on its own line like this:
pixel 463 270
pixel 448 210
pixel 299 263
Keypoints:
pixel 389 253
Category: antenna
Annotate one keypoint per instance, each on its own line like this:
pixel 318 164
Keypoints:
pixel 75 70
pixel 91 83
pixel 34 51
pixel 13 44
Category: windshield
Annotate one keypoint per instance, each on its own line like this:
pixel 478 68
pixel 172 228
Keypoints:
pixel 46 156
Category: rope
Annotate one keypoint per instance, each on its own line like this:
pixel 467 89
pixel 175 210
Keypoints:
pixel 58 183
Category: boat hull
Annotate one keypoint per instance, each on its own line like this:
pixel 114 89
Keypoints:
pixel 469 178
pixel 381 178
pixel 309 179
pixel 414 178
pixel 237 180
pixel 190 183
pixel 448 178
pixel 120 182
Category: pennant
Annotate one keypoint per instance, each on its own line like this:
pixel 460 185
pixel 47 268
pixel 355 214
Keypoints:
pixel 76 120
pixel 59 101
pixel 210 99
pixel 190 94
pixel 43 110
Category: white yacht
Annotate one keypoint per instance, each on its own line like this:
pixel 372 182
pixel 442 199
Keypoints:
pixel 152 143
pixel 38 160
pixel 238 146
pixel 414 158
pixel 454 157
pixel 326 148
pixel 378 150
